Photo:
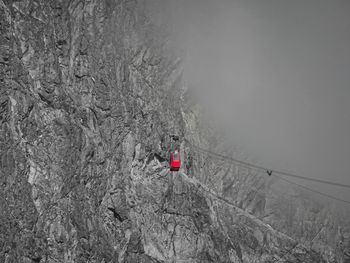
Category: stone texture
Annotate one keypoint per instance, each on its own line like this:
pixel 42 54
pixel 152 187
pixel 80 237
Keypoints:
pixel 89 92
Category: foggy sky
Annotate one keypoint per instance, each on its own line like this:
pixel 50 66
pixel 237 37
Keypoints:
pixel 277 75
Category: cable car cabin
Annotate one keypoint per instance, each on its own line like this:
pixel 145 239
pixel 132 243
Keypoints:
pixel 175 162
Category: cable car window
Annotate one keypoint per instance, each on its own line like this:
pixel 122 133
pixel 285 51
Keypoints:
pixel 176 156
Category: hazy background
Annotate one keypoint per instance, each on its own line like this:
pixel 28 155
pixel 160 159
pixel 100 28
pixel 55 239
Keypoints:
pixel 277 74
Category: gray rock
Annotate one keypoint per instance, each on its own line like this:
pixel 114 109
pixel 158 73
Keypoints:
pixel 89 93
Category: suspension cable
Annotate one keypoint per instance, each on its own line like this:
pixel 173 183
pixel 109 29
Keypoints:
pixel 269 171
pixel 275 173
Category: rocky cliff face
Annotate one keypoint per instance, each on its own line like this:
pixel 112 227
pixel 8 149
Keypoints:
pixel 90 91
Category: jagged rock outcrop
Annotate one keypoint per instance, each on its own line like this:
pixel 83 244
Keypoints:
pixel 89 93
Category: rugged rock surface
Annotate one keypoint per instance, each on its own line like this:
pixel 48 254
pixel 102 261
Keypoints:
pixel 90 91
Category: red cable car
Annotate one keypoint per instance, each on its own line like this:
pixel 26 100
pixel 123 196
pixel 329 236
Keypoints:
pixel 175 161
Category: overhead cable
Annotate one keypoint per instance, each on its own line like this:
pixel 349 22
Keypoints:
pixel 276 173
pixel 270 171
